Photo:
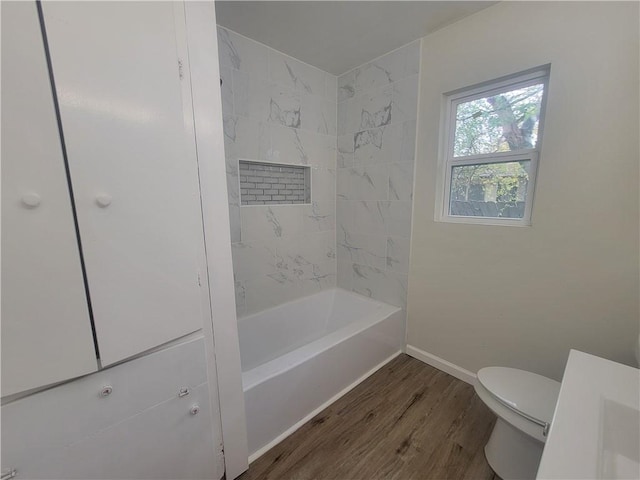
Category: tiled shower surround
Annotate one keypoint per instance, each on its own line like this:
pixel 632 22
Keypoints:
pixel 377 111
pixel 277 109
pixel 358 139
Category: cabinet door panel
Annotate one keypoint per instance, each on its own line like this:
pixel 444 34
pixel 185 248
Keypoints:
pixel 70 413
pixel 121 74
pixel 170 444
pixel 143 429
pixel 46 331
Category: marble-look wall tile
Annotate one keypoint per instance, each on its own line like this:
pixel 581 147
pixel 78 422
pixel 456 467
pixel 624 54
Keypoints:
pixel 345 151
pixel 310 277
pixel 263 101
pixel 260 223
pixel 241 90
pixel 288 145
pixel 277 109
pixel 405 99
pixel 273 103
pixel 398 254
pixel 253 259
pixel 370 110
pixel 279 252
pixel 283 106
pixel 377 110
pixel 241 54
pixel 388 144
pixel 307 259
pixel 383 218
pixel 383 285
pixel 398 220
pixel 387 69
pixel 412 65
pixel 371 218
pixel 300 270
pixel 226 90
pixel 277 89
pixel 401 181
pixel 346 86
pixel 285 269
pixel 240 298
pixel 370 182
pixel 234 221
pixel 342 120
pixel 322 150
pixel 331 87
pixel 323 184
pixel 332 117
pixel 319 248
pixel 245 138
pixel 318 114
pixel 407 142
pixel 289 260
pixel 382 71
pixel 362 249
pixel 299 147
pixel 321 278
pixel 372 146
pixel 233 183
pixel 344 272
pixel 268 291
pixel 319 217
pixel 344 215
pixel 294 74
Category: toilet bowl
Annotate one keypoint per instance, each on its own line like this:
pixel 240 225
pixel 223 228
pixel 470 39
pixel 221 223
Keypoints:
pixel 524 403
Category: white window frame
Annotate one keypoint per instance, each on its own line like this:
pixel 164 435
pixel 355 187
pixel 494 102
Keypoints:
pixel 447 161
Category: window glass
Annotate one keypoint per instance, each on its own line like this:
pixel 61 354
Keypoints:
pixel 497 190
pixel 504 122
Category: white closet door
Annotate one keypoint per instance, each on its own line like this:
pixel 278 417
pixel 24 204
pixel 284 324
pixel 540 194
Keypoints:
pixel 122 78
pixel 46 331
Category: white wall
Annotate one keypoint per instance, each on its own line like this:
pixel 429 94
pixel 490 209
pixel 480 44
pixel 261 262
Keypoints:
pixel 523 296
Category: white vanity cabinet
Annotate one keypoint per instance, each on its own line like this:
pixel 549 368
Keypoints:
pixel 46 329
pixel 122 78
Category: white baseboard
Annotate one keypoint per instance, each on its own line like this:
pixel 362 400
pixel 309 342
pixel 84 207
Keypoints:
pixel 254 456
pixel 441 364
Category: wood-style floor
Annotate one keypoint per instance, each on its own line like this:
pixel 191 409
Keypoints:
pixel 406 421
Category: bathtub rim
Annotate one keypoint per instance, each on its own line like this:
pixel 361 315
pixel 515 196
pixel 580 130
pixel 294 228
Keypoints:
pixel 332 290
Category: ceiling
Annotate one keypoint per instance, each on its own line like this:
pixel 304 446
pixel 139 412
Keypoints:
pixel 339 36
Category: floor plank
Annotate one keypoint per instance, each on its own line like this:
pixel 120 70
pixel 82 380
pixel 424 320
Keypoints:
pixel 406 421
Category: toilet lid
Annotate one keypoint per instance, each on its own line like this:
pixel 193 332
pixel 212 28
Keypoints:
pixel 525 392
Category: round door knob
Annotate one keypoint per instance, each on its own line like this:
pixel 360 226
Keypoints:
pixel 103 200
pixel 31 200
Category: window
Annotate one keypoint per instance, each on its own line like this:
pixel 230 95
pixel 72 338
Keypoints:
pixel 491 143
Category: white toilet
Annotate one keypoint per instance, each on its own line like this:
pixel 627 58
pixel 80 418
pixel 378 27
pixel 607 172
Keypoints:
pixel 524 403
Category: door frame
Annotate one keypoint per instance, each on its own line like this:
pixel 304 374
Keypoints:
pixel 221 333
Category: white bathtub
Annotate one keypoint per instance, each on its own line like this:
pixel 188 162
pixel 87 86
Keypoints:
pixel 299 357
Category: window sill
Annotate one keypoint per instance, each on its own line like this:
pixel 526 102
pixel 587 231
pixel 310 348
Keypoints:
pixel 492 221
